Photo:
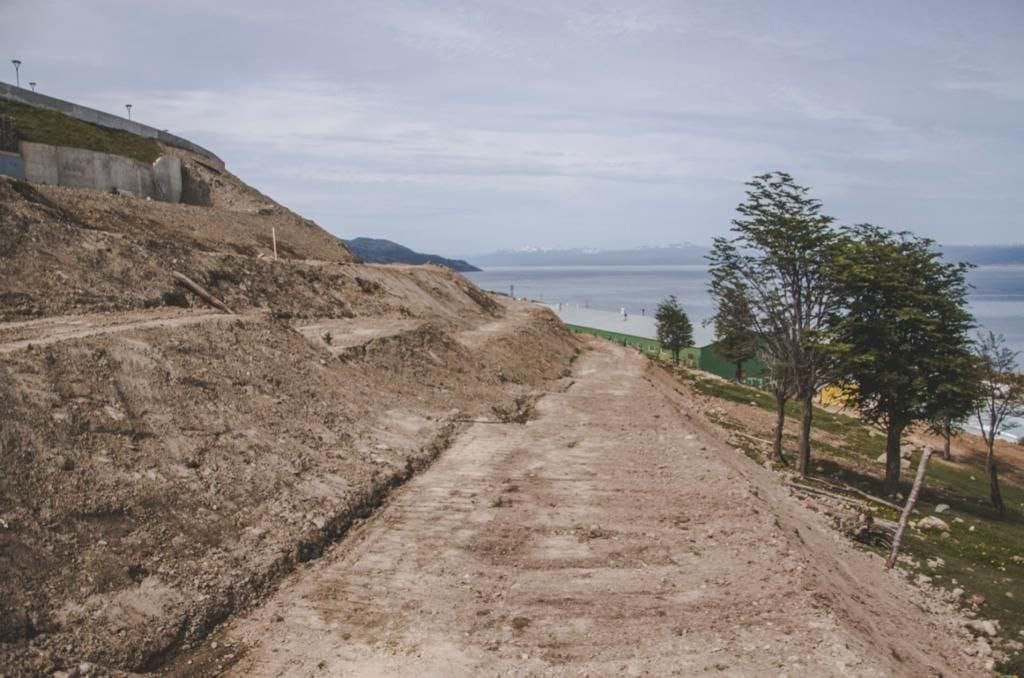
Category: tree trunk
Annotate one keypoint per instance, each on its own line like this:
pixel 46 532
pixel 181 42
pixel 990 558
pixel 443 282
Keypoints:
pixel 897 540
pixel 947 436
pixel 739 371
pixel 675 356
pixel 993 482
pixel 806 416
pixel 780 423
pixel 893 434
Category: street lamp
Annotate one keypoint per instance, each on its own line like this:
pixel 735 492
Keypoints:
pixel 33 86
pixel 129 107
pixel 17 70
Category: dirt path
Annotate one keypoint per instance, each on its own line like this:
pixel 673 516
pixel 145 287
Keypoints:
pixel 15 336
pixel 614 534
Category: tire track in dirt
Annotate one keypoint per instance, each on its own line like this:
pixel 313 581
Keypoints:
pixel 611 535
pixel 16 336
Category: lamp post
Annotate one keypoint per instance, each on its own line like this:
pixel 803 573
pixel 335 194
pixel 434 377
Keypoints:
pixel 129 107
pixel 33 86
pixel 17 71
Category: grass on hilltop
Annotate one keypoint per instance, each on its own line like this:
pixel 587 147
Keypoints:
pixel 52 127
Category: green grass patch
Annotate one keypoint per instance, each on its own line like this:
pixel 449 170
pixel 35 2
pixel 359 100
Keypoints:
pixel 52 127
pixel 986 560
pixel 643 343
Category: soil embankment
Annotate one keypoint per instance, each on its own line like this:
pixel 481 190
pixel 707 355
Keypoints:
pixel 612 534
pixel 164 466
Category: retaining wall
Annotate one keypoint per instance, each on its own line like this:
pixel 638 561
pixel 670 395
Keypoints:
pixel 11 93
pixel 63 166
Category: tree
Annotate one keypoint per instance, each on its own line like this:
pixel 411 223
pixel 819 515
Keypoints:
pixel 1002 397
pixel 734 334
pixel 950 418
pixel 674 329
pixel 901 336
pixel 776 260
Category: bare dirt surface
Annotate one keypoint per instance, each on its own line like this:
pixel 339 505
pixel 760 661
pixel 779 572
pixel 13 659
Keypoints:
pixel 162 470
pixel 39 333
pixel 163 466
pixel 614 533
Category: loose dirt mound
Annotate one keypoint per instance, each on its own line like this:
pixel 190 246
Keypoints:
pixel 52 262
pixel 164 465
pixel 157 480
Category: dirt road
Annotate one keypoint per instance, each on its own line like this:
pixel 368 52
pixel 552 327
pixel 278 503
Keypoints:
pixel 613 534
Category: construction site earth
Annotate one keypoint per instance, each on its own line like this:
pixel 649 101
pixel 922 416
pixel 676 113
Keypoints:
pixel 379 470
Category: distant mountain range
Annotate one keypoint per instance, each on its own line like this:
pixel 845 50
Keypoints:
pixel 985 255
pixel 380 251
pixel 688 254
pixel 678 255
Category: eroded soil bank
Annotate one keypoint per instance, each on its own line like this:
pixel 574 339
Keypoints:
pixel 164 465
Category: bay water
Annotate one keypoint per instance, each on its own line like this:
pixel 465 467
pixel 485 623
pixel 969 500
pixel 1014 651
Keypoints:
pixel 624 298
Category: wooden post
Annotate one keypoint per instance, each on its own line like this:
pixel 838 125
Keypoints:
pixel 897 540
pixel 196 289
pixel 273 234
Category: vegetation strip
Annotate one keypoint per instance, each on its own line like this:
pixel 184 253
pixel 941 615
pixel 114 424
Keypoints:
pixel 977 561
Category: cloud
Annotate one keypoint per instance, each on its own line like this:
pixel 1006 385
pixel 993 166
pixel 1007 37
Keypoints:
pixel 577 122
pixel 1007 90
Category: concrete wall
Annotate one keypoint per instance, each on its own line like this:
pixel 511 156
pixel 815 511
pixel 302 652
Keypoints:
pixel 167 178
pixel 11 165
pixel 63 166
pixel 11 93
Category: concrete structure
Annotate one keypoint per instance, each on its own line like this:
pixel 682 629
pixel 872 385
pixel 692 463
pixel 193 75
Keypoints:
pixel 63 166
pixel 167 178
pixel 11 165
pixel 10 92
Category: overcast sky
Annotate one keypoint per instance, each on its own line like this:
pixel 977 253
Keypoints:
pixel 461 127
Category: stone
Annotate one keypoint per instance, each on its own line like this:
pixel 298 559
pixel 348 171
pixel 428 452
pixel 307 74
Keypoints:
pixel 983 627
pixel 941 508
pixel 932 523
pixel 935 563
pixel 958 592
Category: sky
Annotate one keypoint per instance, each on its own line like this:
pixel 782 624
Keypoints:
pixel 463 127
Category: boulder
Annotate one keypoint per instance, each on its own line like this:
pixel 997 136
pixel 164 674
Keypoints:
pixel 932 523
pixel 941 508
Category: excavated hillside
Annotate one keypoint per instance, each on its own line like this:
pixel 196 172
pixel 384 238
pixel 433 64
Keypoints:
pixel 163 464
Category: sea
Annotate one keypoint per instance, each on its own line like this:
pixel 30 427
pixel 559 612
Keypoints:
pixel 624 298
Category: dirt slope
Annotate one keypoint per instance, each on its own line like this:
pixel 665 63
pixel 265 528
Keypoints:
pixel 162 466
pixel 614 534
